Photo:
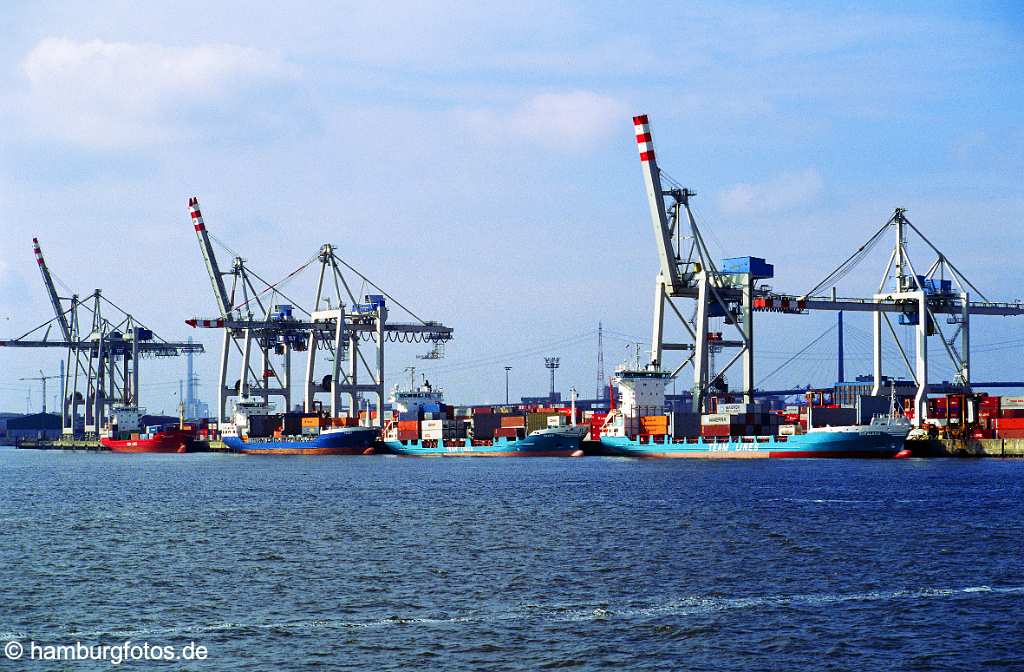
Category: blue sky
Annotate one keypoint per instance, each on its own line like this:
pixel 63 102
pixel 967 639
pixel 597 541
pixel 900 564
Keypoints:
pixel 478 160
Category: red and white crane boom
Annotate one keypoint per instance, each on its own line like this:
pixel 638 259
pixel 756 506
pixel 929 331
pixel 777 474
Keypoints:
pixel 656 201
pixel 58 310
pixel 210 257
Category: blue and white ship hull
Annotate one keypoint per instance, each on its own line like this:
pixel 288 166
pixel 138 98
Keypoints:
pixel 337 441
pixel 560 442
pixel 861 444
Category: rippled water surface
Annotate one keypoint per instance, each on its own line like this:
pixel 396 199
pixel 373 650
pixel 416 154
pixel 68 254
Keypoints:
pixel 387 563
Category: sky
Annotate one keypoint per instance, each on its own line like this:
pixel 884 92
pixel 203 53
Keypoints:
pixel 477 160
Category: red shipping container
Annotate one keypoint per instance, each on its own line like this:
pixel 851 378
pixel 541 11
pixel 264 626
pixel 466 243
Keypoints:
pixel 513 421
pixel 408 424
pixel 408 435
pixel 1012 413
pixel 715 430
pixel 1009 423
pixel 507 432
pixel 1010 433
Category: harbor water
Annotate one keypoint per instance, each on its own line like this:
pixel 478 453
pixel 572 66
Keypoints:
pixel 387 563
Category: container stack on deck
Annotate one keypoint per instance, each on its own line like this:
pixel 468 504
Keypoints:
pixel 485 423
pixel 740 420
pixel 440 421
pixel 511 426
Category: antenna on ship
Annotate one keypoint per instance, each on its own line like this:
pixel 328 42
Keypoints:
pixel 412 377
pixel 599 394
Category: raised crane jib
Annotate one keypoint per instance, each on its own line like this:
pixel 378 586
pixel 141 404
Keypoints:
pixel 219 291
pixel 656 201
pixel 62 318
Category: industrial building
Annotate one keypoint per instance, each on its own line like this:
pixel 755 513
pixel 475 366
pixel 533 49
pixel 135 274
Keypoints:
pixel 34 426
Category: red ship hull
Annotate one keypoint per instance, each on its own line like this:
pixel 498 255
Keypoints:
pixel 162 442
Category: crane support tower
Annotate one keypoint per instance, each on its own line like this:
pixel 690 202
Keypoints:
pixel 688 272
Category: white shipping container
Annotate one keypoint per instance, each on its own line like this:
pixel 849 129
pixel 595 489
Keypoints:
pixel 788 430
pixel 556 420
pixel 1012 402
pixel 435 434
pixel 792 410
pixel 716 419
pixel 740 409
pixel 431 424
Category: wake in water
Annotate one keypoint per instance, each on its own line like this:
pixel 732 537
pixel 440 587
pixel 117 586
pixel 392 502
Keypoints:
pixel 686 606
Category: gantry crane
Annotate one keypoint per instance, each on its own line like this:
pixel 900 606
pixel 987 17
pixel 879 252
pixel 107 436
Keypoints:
pixel 338 323
pixel 917 299
pixel 688 271
pixel 103 355
pixel 247 323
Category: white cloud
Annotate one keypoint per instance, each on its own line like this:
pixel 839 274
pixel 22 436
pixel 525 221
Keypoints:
pixel 576 120
pixel 119 94
pixel 786 191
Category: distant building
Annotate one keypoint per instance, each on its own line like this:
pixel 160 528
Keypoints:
pixel 34 426
pixel 555 398
pixel 847 393
pixel 4 417
pixel 197 410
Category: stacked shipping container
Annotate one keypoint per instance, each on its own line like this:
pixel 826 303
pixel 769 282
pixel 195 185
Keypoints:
pixel 739 424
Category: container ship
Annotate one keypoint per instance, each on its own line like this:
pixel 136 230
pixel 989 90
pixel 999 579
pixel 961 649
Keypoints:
pixel 640 428
pixel 257 431
pixel 125 434
pixel 426 427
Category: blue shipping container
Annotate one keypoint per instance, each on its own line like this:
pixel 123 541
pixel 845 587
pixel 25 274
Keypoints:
pixel 755 266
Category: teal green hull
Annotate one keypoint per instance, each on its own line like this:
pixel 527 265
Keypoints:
pixel 536 445
pixel 815 444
